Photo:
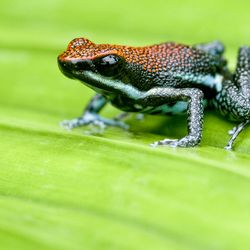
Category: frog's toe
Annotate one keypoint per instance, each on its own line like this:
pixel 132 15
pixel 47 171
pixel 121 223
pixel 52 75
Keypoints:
pixel 95 120
pixel 77 122
pixel 100 124
pixel 165 142
pixel 69 124
pixel 187 141
pixel 228 147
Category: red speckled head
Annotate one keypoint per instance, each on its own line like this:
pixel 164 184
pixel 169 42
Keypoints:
pixel 152 58
pixel 160 57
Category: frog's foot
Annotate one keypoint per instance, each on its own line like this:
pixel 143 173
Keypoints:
pixel 165 142
pixel 92 118
pixel 235 132
pixel 187 141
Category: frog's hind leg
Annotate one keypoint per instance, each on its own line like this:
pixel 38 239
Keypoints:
pixel 215 48
pixel 242 72
pixel 234 98
pixel 242 79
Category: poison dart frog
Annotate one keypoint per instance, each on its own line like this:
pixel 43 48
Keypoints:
pixel 167 78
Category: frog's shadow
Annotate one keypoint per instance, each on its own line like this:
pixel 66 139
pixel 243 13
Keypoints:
pixel 171 126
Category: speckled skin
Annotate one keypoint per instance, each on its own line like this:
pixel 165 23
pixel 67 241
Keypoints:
pixel 167 78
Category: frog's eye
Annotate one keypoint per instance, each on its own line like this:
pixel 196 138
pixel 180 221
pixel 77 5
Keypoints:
pixel 109 65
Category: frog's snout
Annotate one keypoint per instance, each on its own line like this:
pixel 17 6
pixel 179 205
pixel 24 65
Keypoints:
pixel 63 66
pixel 70 67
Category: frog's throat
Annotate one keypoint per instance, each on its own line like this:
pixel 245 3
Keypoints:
pixel 115 86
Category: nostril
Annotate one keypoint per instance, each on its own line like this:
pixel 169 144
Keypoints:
pixel 63 64
pixel 77 65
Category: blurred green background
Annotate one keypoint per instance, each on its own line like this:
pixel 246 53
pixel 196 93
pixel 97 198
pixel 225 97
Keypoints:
pixel 77 190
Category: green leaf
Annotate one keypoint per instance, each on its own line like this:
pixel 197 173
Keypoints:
pixel 83 190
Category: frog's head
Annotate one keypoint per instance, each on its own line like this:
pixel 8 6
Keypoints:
pixel 99 66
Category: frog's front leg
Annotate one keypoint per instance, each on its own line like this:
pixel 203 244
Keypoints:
pixel 194 97
pixel 91 116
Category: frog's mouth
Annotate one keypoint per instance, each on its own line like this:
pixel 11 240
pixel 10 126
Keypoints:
pixel 80 70
pixel 73 68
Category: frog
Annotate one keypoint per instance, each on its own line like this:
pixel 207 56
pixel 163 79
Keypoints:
pixel 168 78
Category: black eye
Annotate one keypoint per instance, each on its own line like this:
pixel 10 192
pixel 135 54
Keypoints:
pixel 109 65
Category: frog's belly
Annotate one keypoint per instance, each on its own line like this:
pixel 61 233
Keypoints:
pixel 127 105
pixel 166 109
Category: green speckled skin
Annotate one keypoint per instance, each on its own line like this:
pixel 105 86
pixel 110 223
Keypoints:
pixel 168 78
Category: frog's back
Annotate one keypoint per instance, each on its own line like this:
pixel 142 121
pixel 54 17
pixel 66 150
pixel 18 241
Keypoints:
pixel 173 65
pixel 173 57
